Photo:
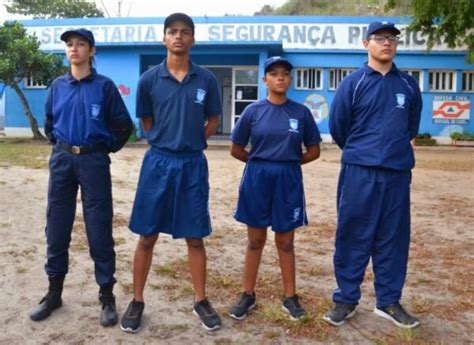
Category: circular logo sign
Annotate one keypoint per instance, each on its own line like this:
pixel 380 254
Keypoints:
pixel 318 106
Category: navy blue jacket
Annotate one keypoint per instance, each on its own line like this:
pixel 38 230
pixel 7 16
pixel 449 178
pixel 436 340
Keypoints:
pixel 374 117
pixel 88 112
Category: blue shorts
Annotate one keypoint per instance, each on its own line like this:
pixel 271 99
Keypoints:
pixel 172 195
pixel 272 194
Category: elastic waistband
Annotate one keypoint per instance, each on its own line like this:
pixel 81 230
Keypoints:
pixel 176 154
pixel 275 163
pixel 81 150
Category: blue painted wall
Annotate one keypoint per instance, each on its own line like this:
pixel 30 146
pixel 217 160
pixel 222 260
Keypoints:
pixel 124 63
pixel 423 62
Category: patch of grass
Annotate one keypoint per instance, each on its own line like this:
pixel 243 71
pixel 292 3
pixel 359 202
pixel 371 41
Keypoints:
pixel 311 326
pixel 21 270
pixel 402 336
pixel 120 221
pixel 185 291
pixel 127 288
pixel 4 225
pixel 24 153
pixel 420 306
pixel 155 286
pixel 314 271
pixel 224 281
pixel 163 331
pixel 272 334
pixel 28 253
pixel 166 270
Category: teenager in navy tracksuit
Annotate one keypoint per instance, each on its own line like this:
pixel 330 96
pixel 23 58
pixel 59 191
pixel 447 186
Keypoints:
pixel 374 116
pixel 86 119
pixel 271 192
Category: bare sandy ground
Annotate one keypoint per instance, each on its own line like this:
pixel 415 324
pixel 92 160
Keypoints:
pixel 439 288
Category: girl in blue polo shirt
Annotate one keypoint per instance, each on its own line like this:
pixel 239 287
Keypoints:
pixel 271 191
pixel 86 119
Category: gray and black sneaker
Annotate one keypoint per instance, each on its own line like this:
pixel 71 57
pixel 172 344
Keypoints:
pixel 209 318
pixel 340 313
pixel 132 317
pixel 245 304
pixel 293 307
pixel 397 315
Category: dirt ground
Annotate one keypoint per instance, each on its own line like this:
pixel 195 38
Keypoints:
pixel 439 287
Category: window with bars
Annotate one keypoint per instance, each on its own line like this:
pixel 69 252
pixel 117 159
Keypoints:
pixel 468 81
pixel 31 83
pixel 444 81
pixel 417 75
pixel 308 79
pixel 336 75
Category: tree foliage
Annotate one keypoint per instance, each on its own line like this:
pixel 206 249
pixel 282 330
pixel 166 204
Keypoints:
pixel 20 57
pixel 340 7
pixel 45 9
pixel 451 21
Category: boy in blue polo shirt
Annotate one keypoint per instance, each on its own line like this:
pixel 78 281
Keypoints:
pixel 179 104
pixel 271 192
pixel 86 119
pixel 374 116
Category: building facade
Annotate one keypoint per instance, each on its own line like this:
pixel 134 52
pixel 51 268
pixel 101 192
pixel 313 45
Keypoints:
pixel 323 51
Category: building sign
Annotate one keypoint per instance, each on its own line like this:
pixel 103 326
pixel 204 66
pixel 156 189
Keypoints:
pixel 291 36
pixel 451 109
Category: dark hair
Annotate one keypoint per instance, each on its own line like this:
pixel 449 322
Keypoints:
pixel 178 17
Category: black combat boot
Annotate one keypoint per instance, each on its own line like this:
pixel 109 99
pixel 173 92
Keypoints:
pixel 108 315
pixel 51 301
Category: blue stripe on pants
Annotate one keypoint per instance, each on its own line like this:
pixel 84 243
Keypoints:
pixel 373 222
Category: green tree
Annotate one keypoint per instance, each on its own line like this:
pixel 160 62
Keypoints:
pixel 20 57
pixel 340 7
pixel 45 9
pixel 450 21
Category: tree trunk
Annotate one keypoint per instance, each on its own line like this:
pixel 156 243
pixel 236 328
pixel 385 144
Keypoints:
pixel 29 115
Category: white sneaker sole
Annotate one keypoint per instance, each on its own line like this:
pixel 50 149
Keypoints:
pixel 215 328
pixel 383 314
pixel 129 330
pixel 337 324
pixel 245 315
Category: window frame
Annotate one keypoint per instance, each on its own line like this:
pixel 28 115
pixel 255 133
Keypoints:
pixel 30 83
pixel 338 79
pixel 309 70
pixel 464 82
pixel 436 72
pixel 410 71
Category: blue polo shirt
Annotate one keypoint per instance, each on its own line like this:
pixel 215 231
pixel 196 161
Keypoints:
pixel 179 109
pixel 276 131
pixel 87 112
pixel 374 117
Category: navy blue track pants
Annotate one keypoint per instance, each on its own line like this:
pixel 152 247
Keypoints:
pixel 90 172
pixel 373 222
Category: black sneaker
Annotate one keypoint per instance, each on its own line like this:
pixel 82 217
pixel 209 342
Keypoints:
pixel 340 313
pixel 132 317
pixel 293 307
pixel 210 320
pixel 245 304
pixel 397 315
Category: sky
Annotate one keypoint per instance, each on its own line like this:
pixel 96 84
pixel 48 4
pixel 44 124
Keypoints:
pixel 162 8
